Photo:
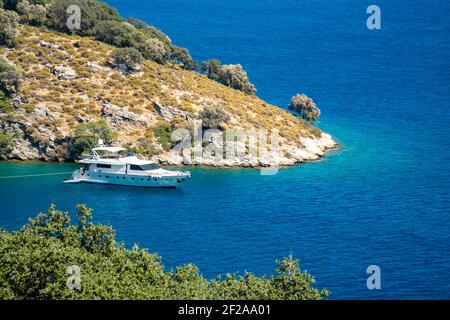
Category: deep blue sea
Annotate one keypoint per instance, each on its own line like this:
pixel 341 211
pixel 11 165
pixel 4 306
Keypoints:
pixel 382 199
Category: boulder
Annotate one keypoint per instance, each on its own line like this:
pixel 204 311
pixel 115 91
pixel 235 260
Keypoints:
pixel 64 73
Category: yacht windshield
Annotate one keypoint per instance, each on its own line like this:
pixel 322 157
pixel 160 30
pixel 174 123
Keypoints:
pixel 144 167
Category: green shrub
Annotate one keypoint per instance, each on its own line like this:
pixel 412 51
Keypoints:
pixel 9 21
pixel 34 14
pixel 305 107
pixel 129 57
pixel 5 105
pixel 88 134
pixel 183 57
pixel 6 144
pixel 213 117
pixel 92 11
pixel 10 79
pixel 163 133
pixel 35 264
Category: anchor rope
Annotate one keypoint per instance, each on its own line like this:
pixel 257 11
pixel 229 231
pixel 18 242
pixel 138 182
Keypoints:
pixel 35 175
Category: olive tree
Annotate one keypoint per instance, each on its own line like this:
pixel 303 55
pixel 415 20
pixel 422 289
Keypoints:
pixel 233 75
pixel 305 107
pixel 34 262
pixel 32 13
pixel 154 49
pixel 129 57
pixel 212 117
pixel 9 21
pixel 88 134
pixel 10 79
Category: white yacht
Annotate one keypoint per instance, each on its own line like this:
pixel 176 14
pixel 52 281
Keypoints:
pixel 112 165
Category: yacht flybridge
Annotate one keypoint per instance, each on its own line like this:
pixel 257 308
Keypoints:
pixel 112 165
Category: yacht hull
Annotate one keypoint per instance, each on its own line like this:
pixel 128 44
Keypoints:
pixel 128 180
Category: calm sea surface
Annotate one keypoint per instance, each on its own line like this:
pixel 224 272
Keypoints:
pixel 382 199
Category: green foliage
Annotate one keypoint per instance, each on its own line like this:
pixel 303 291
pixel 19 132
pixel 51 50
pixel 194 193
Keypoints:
pixel 34 263
pixel 150 31
pixel 305 107
pixel 119 34
pixel 34 14
pixel 6 144
pixel 183 57
pixel 212 69
pixel 233 75
pixel 92 12
pixel 8 28
pixel 163 133
pixel 129 57
pixel 104 23
pixel 10 79
pixel 213 117
pixel 88 134
pixel 146 147
pixel 5 105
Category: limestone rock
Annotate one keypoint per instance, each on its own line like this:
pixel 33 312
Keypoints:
pixel 169 112
pixel 64 73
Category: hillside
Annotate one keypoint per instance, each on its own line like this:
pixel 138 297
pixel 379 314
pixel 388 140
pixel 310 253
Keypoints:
pixel 68 80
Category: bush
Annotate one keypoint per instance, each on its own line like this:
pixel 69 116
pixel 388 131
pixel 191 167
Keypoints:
pixel 6 144
pixel 34 14
pixel 34 264
pixel 10 79
pixel 5 105
pixel 163 133
pixel 9 21
pixel 88 134
pixel 233 75
pixel 116 33
pixel 92 12
pixel 183 57
pixel 305 107
pixel 213 117
pixel 129 57
pixel 154 49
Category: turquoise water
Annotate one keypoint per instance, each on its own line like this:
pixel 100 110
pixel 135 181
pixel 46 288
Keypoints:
pixel 382 199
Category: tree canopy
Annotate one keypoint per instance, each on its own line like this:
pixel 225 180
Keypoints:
pixel 10 78
pixel 87 135
pixel 9 21
pixel 305 107
pixel 129 57
pixel 232 75
pixel 35 264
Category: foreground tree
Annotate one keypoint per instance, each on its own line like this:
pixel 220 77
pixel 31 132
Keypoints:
pixel 34 264
pixel 88 134
pixel 154 49
pixel 183 57
pixel 305 107
pixel 6 144
pixel 212 69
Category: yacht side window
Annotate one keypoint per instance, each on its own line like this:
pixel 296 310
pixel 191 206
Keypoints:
pixel 144 167
pixel 105 166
